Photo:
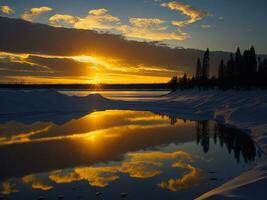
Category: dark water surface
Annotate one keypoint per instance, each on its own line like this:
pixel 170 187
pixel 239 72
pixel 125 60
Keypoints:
pixel 141 154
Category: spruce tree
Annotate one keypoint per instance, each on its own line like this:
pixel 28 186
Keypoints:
pixel 253 60
pixel 206 65
pixel 198 71
pixel 221 70
pixel 238 63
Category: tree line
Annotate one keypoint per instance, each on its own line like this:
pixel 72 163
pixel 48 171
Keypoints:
pixel 245 70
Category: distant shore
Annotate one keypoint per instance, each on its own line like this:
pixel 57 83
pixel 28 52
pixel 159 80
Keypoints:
pixel 157 86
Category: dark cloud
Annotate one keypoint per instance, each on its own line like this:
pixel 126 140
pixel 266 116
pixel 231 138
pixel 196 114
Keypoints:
pixel 43 67
pixel 15 68
pixel 63 66
pixel 19 36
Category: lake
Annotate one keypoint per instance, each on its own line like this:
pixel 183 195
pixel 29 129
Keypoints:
pixel 117 154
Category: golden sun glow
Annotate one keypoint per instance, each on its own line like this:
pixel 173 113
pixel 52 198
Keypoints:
pixel 93 69
pixel 96 81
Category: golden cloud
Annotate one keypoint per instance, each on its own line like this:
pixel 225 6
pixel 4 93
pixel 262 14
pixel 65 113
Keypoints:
pixel 139 28
pixel 132 56
pixel 155 155
pixel 34 12
pixel 96 176
pixel 7 10
pixel 8 188
pixel 36 183
pixel 100 11
pixel 96 19
pixel 150 29
pixel 18 135
pixel 144 22
pixel 138 165
pixel 193 14
pixel 43 66
pixel 152 33
pixel 189 180
pixel 58 18
pixel 140 169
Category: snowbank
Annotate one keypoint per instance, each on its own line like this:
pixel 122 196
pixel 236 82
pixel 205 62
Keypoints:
pixel 39 101
pixel 246 110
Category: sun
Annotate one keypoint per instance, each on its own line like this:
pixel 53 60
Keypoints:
pixel 96 84
pixel 95 80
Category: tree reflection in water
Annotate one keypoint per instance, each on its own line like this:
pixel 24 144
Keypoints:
pixel 234 139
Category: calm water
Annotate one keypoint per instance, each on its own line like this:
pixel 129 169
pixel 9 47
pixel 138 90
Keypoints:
pixel 129 95
pixel 142 154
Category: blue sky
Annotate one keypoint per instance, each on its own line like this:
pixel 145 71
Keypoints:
pixel 228 24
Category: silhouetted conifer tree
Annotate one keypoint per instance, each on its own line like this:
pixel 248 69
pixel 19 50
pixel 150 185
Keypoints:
pixel 221 70
pixel 198 71
pixel 238 63
pixel 253 60
pixel 173 83
pixel 206 65
pixel 230 68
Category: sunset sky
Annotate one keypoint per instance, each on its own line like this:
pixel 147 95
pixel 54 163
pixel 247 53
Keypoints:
pixel 57 55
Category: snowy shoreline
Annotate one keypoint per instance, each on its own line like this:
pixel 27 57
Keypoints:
pixel 246 110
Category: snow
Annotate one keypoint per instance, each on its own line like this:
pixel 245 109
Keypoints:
pixel 246 110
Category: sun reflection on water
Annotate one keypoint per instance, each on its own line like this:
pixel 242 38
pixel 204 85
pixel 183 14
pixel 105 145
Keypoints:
pixel 106 147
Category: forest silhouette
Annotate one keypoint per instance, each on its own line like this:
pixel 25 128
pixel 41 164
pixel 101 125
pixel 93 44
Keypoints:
pixel 245 70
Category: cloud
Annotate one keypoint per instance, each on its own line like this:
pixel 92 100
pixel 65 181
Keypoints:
pixel 141 165
pixel 139 28
pixel 22 133
pixel 109 48
pixel 145 22
pixel 36 183
pixel 96 19
pixel 189 180
pixel 8 188
pixel 7 10
pixel 205 26
pixel 150 29
pixel 98 12
pixel 58 19
pixel 13 66
pixel 96 176
pixel 193 14
pixel 62 66
pixel 46 67
pixel 34 12
pixel 77 69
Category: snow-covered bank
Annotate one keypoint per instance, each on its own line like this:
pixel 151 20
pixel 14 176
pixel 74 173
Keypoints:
pixel 246 110
pixel 16 102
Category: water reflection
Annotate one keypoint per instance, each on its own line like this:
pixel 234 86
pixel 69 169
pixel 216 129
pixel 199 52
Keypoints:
pixel 104 147
pixel 189 180
pixel 140 165
pixel 234 140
